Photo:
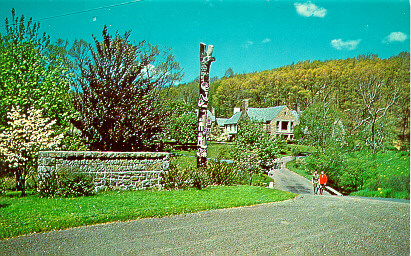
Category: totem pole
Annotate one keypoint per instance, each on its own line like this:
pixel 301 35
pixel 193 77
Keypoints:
pixel 205 61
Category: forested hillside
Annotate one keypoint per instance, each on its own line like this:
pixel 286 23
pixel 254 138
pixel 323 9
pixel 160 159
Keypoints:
pixel 362 88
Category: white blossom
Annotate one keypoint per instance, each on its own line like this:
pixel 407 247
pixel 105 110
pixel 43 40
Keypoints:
pixel 26 135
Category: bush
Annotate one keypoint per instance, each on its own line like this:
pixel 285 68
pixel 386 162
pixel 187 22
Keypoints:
pixel 215 173
pixel 68 183
pixel 176 177
pixel 49 186
pixel 74 183
pixel 261 180
pixel 222 173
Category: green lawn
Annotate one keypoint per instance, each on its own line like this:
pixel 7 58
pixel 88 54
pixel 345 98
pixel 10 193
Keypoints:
pixel 301 171
pixel 31 214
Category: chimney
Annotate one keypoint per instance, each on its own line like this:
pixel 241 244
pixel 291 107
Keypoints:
pixel 213 111
pixel 245 105
pixel 298 108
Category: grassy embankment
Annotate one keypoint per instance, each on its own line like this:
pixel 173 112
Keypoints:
pixel 385 174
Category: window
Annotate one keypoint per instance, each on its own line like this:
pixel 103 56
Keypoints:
pixel 284 125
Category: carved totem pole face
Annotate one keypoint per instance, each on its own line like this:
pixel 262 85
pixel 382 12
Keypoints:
pixel 205 61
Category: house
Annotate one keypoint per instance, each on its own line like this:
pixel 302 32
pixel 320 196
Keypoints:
pixel 277 121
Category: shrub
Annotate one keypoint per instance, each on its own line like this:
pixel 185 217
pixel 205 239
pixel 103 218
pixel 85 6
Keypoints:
pixel 222 173
pixel 176 177
pixel 300 161
pixel 74 183
pixel 68 183
pixel 49 186
pixel 261 180
pixel 215 173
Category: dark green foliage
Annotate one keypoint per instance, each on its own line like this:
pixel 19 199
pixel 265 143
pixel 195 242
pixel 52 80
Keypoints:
pixel 49 187
pixel 118 92
pixel 222 173
pixel 364 171
pixel 253 148
pixel 176 178
pixel 261 180
pixel 74 184
pixel 68 183
pixel 183 128
pixel 190 177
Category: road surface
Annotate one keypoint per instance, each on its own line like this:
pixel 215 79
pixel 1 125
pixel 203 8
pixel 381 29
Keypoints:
pixel 287 180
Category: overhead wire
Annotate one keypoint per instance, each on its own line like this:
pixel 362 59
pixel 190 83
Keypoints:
pixel 84 11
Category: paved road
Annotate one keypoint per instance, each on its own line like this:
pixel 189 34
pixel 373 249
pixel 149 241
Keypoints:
pixel 307 225
pixel 287 180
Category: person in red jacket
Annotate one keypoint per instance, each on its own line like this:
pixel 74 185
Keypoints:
pixel 323 182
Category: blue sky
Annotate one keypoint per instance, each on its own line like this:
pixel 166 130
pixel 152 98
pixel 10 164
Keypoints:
pixel 247 35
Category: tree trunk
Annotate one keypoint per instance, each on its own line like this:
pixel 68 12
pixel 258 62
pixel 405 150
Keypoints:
pixel 21 181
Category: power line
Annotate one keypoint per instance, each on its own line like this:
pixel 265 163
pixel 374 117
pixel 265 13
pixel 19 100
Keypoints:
pixel 84 11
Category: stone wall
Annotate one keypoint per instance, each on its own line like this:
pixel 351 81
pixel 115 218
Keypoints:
pixel 110 170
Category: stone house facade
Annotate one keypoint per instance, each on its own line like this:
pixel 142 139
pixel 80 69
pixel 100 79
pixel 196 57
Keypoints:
pixel 277 121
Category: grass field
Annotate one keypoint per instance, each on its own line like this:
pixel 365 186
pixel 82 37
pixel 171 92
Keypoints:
pixel 31 214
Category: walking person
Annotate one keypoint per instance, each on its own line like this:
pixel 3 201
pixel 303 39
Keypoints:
pixel 315 180
pixel 323 182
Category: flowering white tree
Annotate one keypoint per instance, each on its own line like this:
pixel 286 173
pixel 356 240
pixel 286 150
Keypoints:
pixel 27 133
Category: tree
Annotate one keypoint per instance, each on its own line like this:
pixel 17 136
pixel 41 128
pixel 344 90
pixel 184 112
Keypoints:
pixel 26 135
pixel 29 74
pixel 183 128
pixel 321 125
pixel 253 147
pixel 377 95
pixel 118 91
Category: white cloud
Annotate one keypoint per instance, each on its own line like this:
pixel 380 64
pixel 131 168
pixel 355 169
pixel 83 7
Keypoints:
pixel 309 9
pixel 395 37
pixel 248 44
pixel 345 45
pixel 265 41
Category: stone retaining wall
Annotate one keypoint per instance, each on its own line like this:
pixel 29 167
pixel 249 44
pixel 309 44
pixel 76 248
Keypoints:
pixel 110 170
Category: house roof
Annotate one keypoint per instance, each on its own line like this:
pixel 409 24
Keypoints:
pixel 234 119
pixel 295 113
pixel 264 114
pixel 221 121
